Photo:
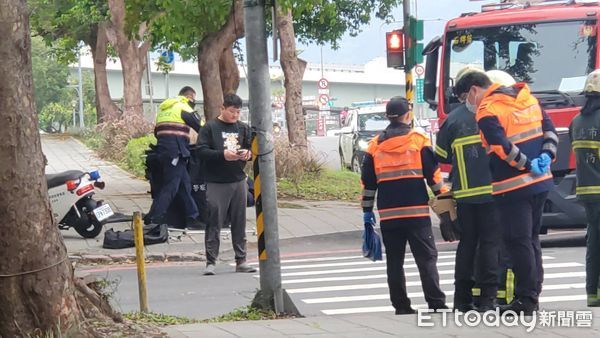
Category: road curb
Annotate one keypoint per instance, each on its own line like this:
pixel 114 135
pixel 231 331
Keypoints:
pixel 103 259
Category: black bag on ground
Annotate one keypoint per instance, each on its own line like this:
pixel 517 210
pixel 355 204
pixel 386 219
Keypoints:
pixel 153 234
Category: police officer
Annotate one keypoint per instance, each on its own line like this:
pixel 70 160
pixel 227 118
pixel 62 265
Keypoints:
pixel 395 166
pixel 585 140
pixel 173 122
pixel 458 143
pixel 521 142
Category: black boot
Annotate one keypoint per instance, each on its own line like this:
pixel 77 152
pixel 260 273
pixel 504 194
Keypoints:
pixel 458 307
pixel 525 305
pixel 405 310
pixel 487 303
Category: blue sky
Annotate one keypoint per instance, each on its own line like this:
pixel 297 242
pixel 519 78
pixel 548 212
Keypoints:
pixel 371 42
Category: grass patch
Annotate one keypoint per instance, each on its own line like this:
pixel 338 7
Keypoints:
pixel 243 314
pixel 158 319
pixel 328 185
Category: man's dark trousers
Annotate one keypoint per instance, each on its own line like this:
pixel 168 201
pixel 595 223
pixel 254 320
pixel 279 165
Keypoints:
pixel 175 182
pixel 480 237
pixel 422 245
pixel 227 202
pixel 521 221
pixel 592 255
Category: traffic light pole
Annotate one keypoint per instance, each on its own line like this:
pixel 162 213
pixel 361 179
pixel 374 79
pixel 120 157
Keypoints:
pixel 271 294
pixel 408 42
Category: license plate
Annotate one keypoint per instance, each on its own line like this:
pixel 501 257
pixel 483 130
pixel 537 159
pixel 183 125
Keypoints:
pixel 103 212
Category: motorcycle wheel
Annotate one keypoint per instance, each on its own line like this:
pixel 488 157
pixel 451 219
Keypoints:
pixel 91 231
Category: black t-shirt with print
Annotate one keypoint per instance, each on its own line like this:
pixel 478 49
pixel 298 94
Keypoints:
pixel 214 138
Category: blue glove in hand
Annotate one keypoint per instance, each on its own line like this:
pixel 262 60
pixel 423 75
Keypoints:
pixel 545 161
pixel 537 167
pixel 369 217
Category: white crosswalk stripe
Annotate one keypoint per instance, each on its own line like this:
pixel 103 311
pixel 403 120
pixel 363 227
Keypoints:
pixel 351 284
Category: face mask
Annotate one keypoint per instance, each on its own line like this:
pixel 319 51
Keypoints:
pixel 192 103
pixel 471 107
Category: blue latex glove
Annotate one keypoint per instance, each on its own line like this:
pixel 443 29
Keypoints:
pixel 538 168
pixel 545 161
pixel 369 217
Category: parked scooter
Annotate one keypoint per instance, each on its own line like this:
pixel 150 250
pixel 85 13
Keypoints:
pixel 72 204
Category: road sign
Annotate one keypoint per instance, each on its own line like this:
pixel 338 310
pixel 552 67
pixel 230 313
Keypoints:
pixel 323 91
pixel 419 70
pixel 419 91
pixel 323 99
pixel 323 83
pixel 168 57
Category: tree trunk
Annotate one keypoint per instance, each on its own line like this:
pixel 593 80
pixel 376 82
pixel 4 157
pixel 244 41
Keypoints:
pixel 106 109
pixel 210 52
pixel 132 54
pixel 293 70
pixel 229 72
pixel 36 279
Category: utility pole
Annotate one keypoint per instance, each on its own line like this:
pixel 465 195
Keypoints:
pixel 271 294
pixel 408 42
pixel 80 92
pixel 150 89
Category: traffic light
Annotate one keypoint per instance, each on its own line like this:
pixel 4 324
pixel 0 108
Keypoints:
pixel 395 48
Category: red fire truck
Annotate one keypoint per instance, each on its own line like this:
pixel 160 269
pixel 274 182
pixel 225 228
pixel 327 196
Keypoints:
pixel 551 45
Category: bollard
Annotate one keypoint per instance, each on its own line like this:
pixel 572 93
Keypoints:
pixel 140 260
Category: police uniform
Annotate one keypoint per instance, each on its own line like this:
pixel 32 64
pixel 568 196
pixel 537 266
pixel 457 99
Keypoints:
pixel 515 130
pixel 394 168
pixel 458 143
pixel 585 139
pixel 173 122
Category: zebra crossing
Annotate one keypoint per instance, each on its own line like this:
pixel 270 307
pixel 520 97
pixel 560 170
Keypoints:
pixel 351 284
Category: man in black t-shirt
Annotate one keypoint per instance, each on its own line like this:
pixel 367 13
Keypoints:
pixel 224 146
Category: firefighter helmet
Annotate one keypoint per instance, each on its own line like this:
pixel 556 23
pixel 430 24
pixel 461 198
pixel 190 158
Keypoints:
pixel 500 77
pixel 466 70
pixel 592 83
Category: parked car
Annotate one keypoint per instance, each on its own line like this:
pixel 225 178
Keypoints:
pixel 360 127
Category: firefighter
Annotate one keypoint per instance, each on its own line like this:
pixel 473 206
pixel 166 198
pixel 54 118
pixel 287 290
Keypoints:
pixel 395 166
pixel 173 122
pixel 585 140
pixel 458 143
pixel 521 142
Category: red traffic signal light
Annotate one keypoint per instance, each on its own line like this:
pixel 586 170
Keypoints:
pixel 395 40
pixel 395 48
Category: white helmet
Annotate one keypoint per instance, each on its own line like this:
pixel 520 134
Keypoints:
pixel 466 70
pixel 592 83
pixel 501 77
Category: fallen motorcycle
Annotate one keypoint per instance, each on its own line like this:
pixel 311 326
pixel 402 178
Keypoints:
pixel 71 198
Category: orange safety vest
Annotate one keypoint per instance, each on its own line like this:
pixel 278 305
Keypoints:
pixel 521 118
pixel 399 158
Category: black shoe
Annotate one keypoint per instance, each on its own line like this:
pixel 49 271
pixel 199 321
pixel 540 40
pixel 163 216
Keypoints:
pixel 523 305
pixel 194 224
pixel 458 307
pixel 437 307
pixel 406 311
pixel 487 304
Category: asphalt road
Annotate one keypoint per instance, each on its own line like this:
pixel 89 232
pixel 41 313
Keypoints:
pixel 325 275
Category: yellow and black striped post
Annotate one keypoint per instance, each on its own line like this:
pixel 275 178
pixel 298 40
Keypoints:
pixel 260 222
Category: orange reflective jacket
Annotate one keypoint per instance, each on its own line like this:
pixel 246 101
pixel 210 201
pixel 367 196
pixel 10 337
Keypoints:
pixel 521 118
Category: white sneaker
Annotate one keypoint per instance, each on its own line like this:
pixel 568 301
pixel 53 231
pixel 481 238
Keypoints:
pixel 210 270
pixel 244 267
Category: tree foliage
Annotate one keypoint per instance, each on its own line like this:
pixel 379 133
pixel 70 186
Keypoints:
pixel 50 77
pixel 326 21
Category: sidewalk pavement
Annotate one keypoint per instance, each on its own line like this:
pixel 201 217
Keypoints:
pixel 376 325
pixel 126 194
